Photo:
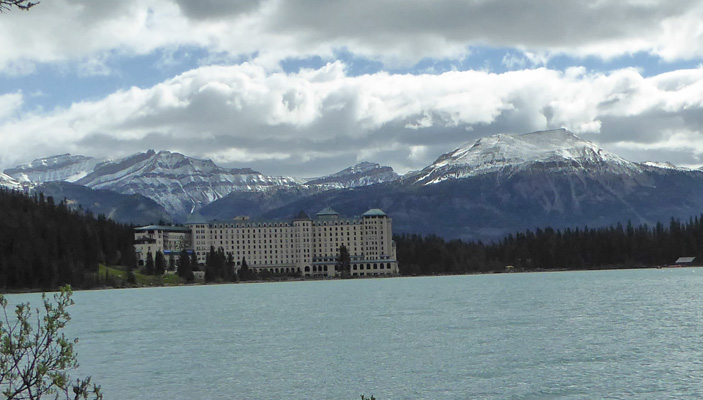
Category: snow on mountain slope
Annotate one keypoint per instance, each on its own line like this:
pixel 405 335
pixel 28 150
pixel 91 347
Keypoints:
pixel 664 165
pixel 362 174
pixel 63 167
pixel 558 149
pixel 180 184
pixel 9 182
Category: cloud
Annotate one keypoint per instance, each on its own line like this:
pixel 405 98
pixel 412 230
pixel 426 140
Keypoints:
pixel 293 123
pixel 216 9
pixel 394 32
pixel 10 104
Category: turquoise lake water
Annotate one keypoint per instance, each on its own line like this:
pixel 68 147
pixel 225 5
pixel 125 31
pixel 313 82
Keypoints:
pixel 564 335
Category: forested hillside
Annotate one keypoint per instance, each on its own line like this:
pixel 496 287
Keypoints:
pixel 548 249
pixel 44 244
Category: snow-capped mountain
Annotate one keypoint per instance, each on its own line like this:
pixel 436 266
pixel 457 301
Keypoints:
pixel 362 174
pixel 9 182
pixel 509 153
pixel 664 165
pixel 508 183
pixel 484 190
pixel 180 184
pixel 63 167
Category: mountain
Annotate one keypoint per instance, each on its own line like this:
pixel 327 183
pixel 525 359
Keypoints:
pixel 131 209
pixel 255 203
pixel 556 150
pixel 507 183
pixel 9 182
pixel 64 167
pixel 180 184
pixel 183 184
pixel 362 174
pixel 481 190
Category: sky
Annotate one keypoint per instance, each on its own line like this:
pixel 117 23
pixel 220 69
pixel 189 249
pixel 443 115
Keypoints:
pixel 309 87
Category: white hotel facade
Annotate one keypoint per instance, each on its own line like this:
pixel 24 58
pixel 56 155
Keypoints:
pixel 304 245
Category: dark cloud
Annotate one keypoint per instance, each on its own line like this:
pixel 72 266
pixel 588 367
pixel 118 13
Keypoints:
pixel 215 9
pixel 514 23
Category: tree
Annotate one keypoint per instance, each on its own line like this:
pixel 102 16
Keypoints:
pixel 230 276
pixel 159 263
pixel 149 266
pixel 343 262
pixel 6 5
pixel 194 262
pixel 244 273
pixel 171 262
pixel 35 356
pixel 211 265
pixel 185 271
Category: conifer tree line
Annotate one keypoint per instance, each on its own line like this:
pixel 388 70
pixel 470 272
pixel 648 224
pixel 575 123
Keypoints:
pixel 46 245
pixel 619 246
pixel 219 267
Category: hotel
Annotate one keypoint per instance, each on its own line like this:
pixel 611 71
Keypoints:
pixel 305 246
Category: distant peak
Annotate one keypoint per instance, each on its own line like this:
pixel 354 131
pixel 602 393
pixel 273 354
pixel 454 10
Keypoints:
pixel 664 165
pixel 494 153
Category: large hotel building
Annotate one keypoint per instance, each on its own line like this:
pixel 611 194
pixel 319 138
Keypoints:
pixel 304 245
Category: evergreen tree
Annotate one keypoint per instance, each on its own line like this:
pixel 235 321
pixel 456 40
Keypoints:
pixel 244 273
pixel 171 262
pixel 159 263
pixel 210 265
pixel 229 275
pixel 149 265
pixel 343 265
pixel 184 270
pixel 194 262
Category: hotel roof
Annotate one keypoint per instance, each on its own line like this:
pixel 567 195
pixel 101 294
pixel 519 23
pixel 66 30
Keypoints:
pixel 168 228
pixel 374 212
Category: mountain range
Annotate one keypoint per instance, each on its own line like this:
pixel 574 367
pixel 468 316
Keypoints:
pixel 480 190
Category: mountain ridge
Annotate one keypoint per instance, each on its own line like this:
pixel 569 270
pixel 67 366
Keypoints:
pixel 481 190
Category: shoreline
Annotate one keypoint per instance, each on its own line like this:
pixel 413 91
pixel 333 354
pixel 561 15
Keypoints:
pixel 312 279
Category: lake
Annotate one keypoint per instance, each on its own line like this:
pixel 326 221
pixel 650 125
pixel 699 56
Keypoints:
pixel 560 335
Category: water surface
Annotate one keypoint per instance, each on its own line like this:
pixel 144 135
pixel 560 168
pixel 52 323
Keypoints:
pixel 565 335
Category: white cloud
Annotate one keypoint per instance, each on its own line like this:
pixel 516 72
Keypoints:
pixel 395 33
pixel 10 104
pixel 284 123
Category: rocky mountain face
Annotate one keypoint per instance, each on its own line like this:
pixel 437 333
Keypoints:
pixel 131 209
pixel 508 183
pixel 182 184
pixel 362 174
pixel 64 167
pixel 482 190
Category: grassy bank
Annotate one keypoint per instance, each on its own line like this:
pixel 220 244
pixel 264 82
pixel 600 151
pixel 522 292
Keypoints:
pixel 117 277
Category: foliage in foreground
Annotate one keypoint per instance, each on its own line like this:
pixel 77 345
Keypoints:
pixel 35 355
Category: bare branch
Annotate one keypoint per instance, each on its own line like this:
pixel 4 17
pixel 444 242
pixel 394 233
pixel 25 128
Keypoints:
pixel 6 5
